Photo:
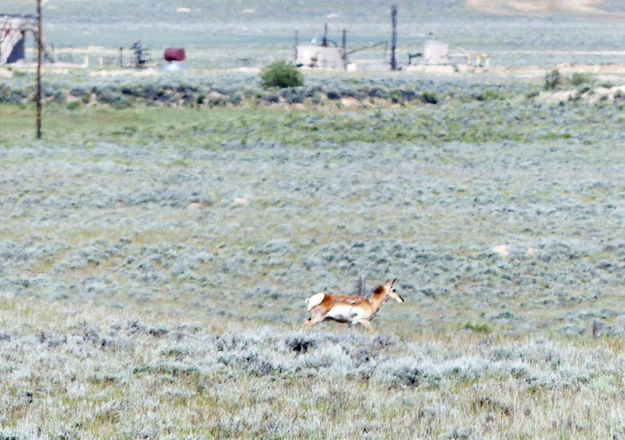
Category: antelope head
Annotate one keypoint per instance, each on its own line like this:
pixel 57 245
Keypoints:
pixel 390 291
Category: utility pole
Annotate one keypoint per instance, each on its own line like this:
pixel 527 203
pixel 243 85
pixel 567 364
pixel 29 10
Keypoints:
pixel 38 69
pixel 394 37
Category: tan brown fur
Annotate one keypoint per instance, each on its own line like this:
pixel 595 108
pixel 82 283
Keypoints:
pixel 352 309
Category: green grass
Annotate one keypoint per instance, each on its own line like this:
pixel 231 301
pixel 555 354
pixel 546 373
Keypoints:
pixel 478 327
pixel 496 121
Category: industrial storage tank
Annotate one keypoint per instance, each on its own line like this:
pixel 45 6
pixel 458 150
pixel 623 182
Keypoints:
pixel 174 54
pixel 12 30
pixel 317 56
pixel 435 52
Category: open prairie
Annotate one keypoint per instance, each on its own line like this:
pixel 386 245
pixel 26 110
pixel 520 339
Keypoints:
pixel 155 262
pixel 158 244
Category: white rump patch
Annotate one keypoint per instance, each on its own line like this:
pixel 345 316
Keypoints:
pixel 344 313
pixel 315 300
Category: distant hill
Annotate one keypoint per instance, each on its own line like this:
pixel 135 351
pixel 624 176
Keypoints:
pixel 542 7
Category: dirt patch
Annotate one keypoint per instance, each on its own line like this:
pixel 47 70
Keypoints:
pixel 123 72
pixel 593 95
pixel 556 97
pixel 350 102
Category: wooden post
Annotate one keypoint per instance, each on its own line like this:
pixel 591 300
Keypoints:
pixel 596 326
pixel 394 37
pixel 344 49
pixel 38 69
pixel 361 285
pixel 295 44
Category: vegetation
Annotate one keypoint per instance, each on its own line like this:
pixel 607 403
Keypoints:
pixel 155 262
pixel 552 79
pixel 579 78
pixel 282 75
pixel 157 244
pixel 218 90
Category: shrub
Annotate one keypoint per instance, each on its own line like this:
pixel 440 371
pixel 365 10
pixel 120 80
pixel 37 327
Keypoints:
pixel 408 95
pixel 300 343
pixel 578 78
pixel 552 79
pixel 333 94
pixel 8 95
pixel 478 327
pixel 531 94
pixel 396 96
pixel 280 74
pixel 79 91
pixel 489 95
pixel 429 97
pixel 377 92
pixel 291 95
pixel 272 99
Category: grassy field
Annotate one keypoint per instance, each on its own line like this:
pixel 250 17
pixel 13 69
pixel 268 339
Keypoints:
pixel 154 263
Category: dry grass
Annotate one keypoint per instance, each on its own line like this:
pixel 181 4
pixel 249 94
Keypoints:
pixel 80 370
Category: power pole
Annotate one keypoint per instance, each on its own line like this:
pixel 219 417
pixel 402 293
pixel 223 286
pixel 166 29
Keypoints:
pixel 38 69
pixel 394 37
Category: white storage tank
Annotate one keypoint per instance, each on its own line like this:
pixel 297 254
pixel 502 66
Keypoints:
pixel 320 57
pixel 435 52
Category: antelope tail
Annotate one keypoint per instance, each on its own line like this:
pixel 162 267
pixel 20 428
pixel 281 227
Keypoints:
pixel 315 300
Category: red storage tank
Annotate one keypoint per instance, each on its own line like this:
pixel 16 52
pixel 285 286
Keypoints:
pixel 174 54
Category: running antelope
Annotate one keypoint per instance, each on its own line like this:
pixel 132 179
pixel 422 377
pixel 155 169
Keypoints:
pixel 350 309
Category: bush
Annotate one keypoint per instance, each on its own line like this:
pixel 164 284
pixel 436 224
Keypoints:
pixel 280 74
pixel 300 343
pixel 578 78
pixel 478 327
pixel 552 79
pixel 11 96
pixel 429 97
pixel 489 95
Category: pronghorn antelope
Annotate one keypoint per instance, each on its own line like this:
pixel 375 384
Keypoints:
pixel 350 309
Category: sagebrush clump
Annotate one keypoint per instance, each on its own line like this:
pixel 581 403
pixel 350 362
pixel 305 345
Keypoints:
pixel 282 75
pixel 579 78
pixel 552 79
